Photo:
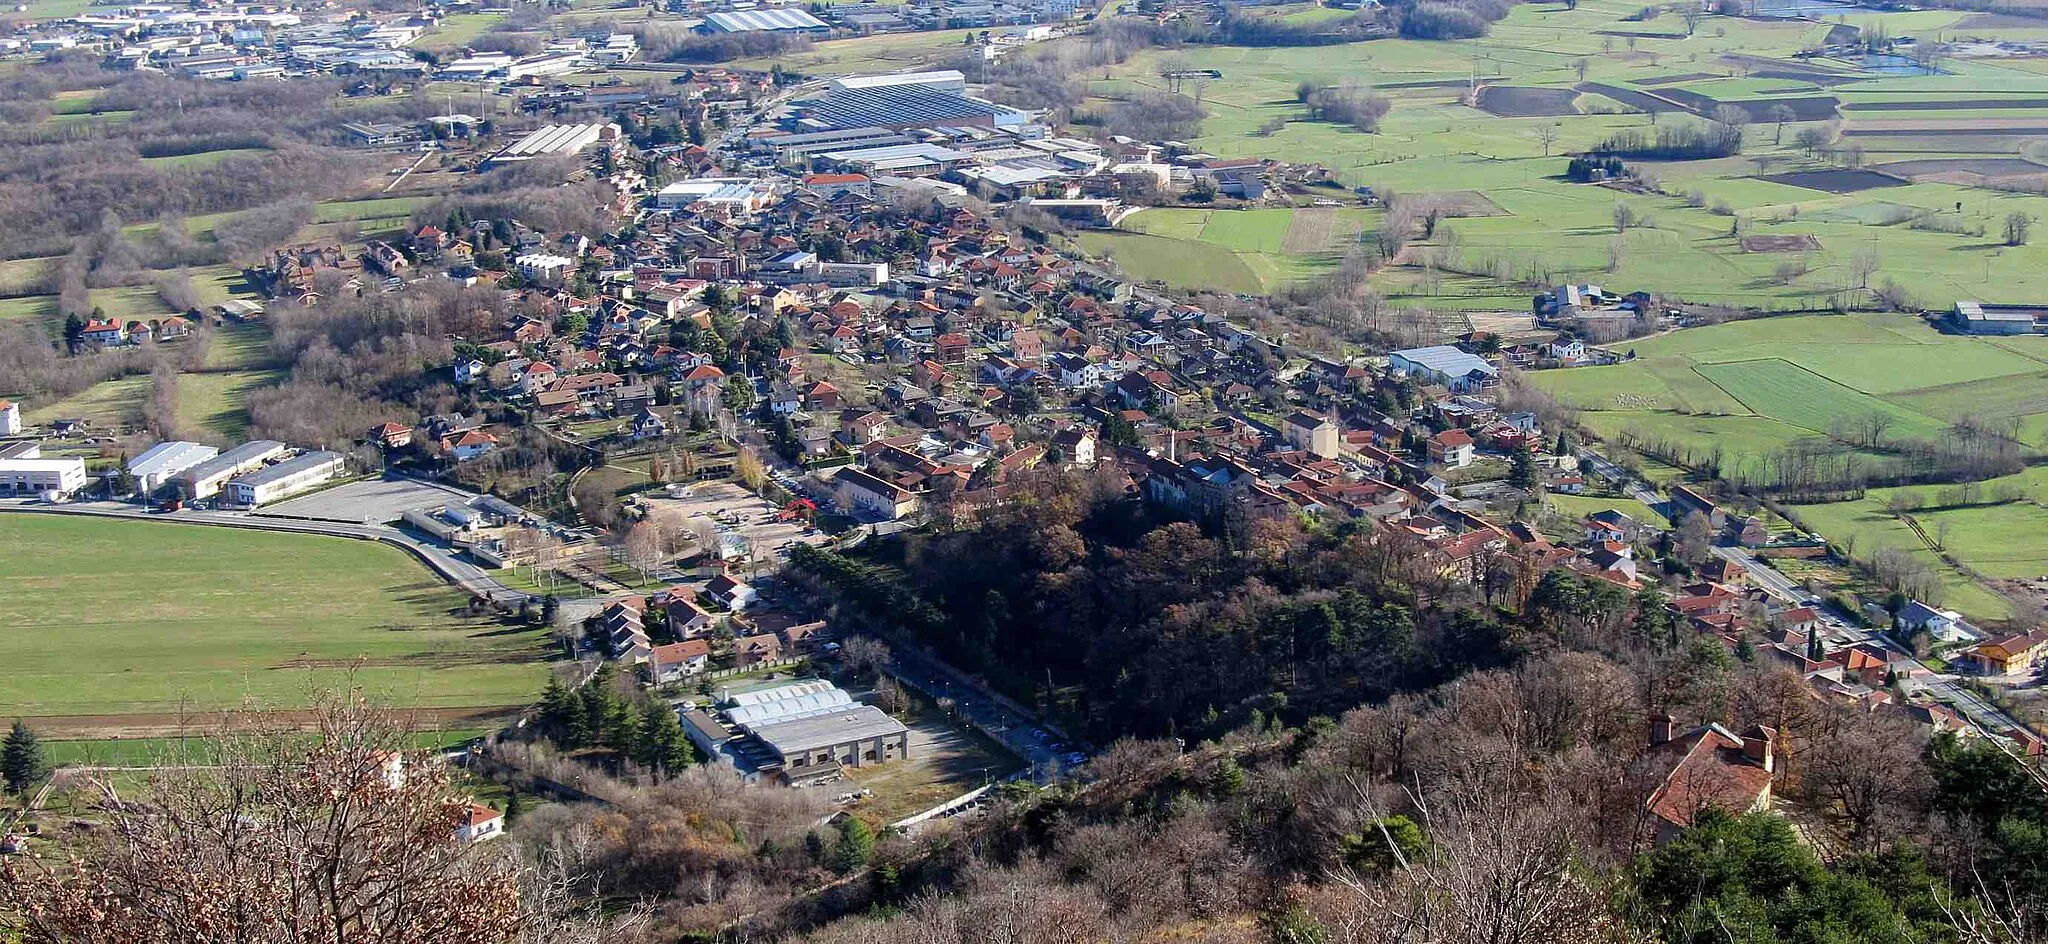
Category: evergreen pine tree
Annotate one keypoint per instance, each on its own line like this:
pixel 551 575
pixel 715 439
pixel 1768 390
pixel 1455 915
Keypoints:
pixel 515 806
pixel 856 846
pixel 21 760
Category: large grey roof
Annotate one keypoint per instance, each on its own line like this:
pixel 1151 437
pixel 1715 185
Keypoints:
pixel 742 21
pixel 858 723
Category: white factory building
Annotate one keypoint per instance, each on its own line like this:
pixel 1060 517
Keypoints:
pixel 945 80
pixel 162 462
pixel 207 478
pixel 747 194
pixel 557 139
pixel 285 479
pixel 24 472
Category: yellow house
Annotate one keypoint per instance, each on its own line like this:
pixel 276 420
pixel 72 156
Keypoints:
pixel 2012 655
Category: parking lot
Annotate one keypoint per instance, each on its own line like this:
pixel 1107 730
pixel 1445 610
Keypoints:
pixel 376 501
pixel 744 513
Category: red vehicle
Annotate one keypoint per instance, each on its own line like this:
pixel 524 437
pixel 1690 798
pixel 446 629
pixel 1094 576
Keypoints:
pixel 174 504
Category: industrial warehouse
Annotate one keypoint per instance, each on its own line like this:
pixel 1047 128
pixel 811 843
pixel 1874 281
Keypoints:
pixel 802 733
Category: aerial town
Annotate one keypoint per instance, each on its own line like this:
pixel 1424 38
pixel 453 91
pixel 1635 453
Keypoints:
pixel 800 473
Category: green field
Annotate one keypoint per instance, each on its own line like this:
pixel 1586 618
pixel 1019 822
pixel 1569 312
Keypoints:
pixel 1260 250
pixel 1559 231
pixel 457 31
pixel 1750 387
pixel 1580 506
pixel 144 620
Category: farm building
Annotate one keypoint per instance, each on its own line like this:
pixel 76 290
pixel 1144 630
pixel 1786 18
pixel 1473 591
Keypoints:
pixel 284 479
pixel 1973 317
pixel 1446 365
pixel 556 139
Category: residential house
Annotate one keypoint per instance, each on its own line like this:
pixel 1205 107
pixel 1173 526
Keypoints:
pixel 1311 433
pixel 1452 448
pixel 1708 767
pixel 730 593
pixel 677 661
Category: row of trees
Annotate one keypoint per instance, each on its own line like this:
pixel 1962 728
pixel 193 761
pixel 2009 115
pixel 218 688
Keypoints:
pixel 598 715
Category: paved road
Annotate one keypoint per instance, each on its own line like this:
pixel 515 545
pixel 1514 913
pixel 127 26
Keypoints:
pixel 1042 746
pixel 444 561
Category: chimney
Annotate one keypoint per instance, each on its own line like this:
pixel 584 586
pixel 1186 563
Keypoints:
pixel 1756 745
pixel 1663 728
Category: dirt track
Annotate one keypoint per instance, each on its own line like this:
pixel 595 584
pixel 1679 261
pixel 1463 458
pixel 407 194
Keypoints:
pixel 171 724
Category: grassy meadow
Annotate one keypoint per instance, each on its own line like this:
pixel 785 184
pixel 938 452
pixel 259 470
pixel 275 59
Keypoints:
pixel 127 624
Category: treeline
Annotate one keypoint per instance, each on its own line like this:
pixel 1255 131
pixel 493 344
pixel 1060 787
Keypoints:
pixel 531 192
pixel 600 714
pixel 1675 141
pixel 1509 805
pixel 1858 453
pixel 1446 19
pixel 57 180
pixel 360 360
pixel 1148 116
pixel 670 41
pixel 1239 28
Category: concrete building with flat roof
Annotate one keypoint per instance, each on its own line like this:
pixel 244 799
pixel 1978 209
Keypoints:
pixel 161 463
pixel 24 472
pixel 206 478
pixel 284 479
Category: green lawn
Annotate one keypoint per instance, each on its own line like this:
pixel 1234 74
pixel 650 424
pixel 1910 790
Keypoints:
pixel 152 618
pixel 1580 506
pixel 1230 250
pixel 883 52
pixel 203 158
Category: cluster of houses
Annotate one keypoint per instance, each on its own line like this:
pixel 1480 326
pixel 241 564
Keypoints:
pixel 674 634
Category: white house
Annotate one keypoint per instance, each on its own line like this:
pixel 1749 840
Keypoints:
pixel 479 824
pixel 866 495
pixel 474 443
pixel 730 593
pixel 10 418
pixel 543 267
pixel 469 370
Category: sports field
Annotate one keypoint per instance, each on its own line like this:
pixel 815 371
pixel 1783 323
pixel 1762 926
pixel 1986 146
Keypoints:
pixel 122 626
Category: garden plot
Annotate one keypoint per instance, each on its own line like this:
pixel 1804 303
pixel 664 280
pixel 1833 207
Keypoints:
pixel 1836 181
